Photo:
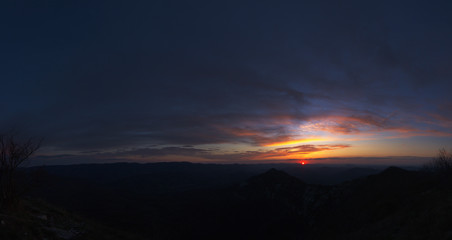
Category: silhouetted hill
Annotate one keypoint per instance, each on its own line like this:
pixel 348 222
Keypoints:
pixel 395 204
pixel 328 175
pixel 275 185
pixel 208 201
pixel 266 206
pixel 393 171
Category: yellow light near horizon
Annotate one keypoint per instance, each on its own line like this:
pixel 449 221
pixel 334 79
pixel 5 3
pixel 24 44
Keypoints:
pixel 291 142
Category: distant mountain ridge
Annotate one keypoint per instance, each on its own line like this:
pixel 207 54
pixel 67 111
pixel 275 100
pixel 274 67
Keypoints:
pixel 117 171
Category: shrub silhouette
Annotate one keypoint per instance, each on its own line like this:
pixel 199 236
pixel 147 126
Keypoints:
pixel 441 164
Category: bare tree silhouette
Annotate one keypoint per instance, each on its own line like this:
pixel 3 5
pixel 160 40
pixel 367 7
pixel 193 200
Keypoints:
pixel 13 152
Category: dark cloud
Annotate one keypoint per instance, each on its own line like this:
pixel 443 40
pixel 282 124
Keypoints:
pixel 152 152
pixel 108 76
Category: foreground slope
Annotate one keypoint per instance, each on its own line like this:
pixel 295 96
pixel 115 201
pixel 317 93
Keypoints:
pixel 37 220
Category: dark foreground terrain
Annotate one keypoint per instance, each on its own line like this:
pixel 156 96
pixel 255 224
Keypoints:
pixel 197 201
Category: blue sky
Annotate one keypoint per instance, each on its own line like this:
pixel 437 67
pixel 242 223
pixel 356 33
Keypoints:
pixel 235 81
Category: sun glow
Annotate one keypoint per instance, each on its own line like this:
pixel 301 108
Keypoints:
pixel 277 144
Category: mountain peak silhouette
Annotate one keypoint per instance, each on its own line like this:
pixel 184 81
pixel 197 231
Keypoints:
pixel 392 171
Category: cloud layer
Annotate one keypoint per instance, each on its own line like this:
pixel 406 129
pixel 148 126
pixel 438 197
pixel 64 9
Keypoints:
pixel 112 76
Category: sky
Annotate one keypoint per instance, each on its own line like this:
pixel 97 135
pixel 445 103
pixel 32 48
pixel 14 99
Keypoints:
pixel 228 81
